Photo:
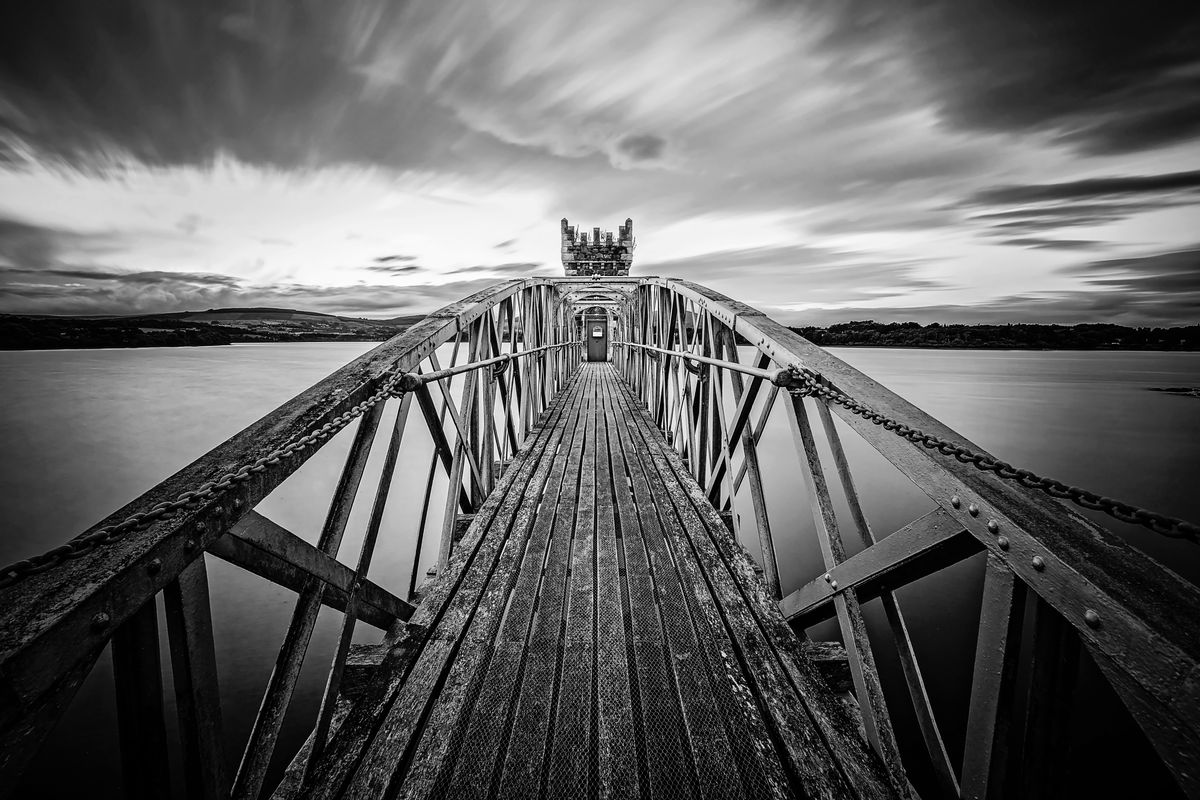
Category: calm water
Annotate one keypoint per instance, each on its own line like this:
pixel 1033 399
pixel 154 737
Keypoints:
pixel 86 431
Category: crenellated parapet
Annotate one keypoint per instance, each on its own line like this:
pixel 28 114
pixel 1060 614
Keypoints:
pixel 599 254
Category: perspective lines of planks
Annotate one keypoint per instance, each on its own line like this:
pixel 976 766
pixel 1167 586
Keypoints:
pixel 598 633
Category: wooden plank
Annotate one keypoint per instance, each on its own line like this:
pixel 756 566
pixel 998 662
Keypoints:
pixel 391 753
pixel 568 775
pixel 712 692
pixel 247 783
pixel 616 737
pixel 137 674
pixel 527 752
pixel 479 552
pixel 479 758
pixel 822 751
pixel 194 674
pixel 262 546
pixel 986 756
pixel 666 755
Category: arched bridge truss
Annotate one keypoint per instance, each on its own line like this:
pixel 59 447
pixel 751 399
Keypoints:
pixel 466 391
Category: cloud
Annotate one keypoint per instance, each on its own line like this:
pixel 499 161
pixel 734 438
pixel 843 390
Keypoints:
pixel 1032 67
pixel 393 259
pixel 25 244
pixel 1089 202
pixel 513 269
pixel 396 269
pixel 1037 243
pixel 1091 189
pixel 642 147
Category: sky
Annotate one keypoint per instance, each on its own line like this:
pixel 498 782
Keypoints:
pixel 824 161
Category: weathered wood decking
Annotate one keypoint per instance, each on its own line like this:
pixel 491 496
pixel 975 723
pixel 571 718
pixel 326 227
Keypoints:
pixel 597 633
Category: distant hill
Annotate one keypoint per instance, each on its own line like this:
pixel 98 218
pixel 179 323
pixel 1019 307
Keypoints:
pixel 193 328
pixel 1094 336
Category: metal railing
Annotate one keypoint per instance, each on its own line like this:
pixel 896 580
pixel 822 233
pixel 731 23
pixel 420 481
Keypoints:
pixel 1089 589
pixel 61 609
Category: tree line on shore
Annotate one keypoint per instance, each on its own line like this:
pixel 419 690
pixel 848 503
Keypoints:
pixel 1017 336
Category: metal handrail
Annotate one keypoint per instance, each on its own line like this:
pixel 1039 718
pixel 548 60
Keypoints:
pixel 778 377
pixel 411 380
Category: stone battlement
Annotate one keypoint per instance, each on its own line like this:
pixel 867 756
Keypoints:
pixel 600 254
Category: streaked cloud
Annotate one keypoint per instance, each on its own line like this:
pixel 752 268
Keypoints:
pixel 816 157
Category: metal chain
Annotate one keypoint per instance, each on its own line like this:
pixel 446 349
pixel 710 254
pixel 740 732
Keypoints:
pixel 87 542
pixel 804 382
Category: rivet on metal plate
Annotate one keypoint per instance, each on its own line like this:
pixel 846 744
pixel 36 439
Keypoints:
pixel 1091 618
pixel 1038 563
pixel 954 501
pixel 973 510
pixel 993 526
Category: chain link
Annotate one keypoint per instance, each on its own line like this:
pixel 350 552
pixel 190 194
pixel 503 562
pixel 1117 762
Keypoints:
pixel 87 542
pixel 804 382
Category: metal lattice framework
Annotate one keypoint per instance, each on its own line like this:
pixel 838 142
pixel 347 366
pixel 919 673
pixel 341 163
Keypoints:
pixel 1089 588
pixel 513 346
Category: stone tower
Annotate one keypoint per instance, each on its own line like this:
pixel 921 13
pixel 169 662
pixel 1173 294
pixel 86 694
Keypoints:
pixel 600 255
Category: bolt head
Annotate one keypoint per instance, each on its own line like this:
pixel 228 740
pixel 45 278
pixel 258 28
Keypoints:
pixel 1038 563
pixel 1091 618
pixel 993 526
pixel 1002 542
pixel 827 578
pixel 155 566
pixel 954 501
pixel 973 510
pixel 100 621
pixel 833 584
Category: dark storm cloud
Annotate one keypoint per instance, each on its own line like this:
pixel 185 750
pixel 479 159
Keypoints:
pixel 136 278
pixel 178 82
pixel 1036 243
pixel 1080 203
pixel 1091 189
pixel 1105 77
pixel 1168 271
pixel 24 244
pixel 95 292
pixel 642 147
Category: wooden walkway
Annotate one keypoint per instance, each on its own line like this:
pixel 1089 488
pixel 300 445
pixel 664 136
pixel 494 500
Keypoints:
pixel 597 634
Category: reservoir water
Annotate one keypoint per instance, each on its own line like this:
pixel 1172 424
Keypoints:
pixel 86 431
